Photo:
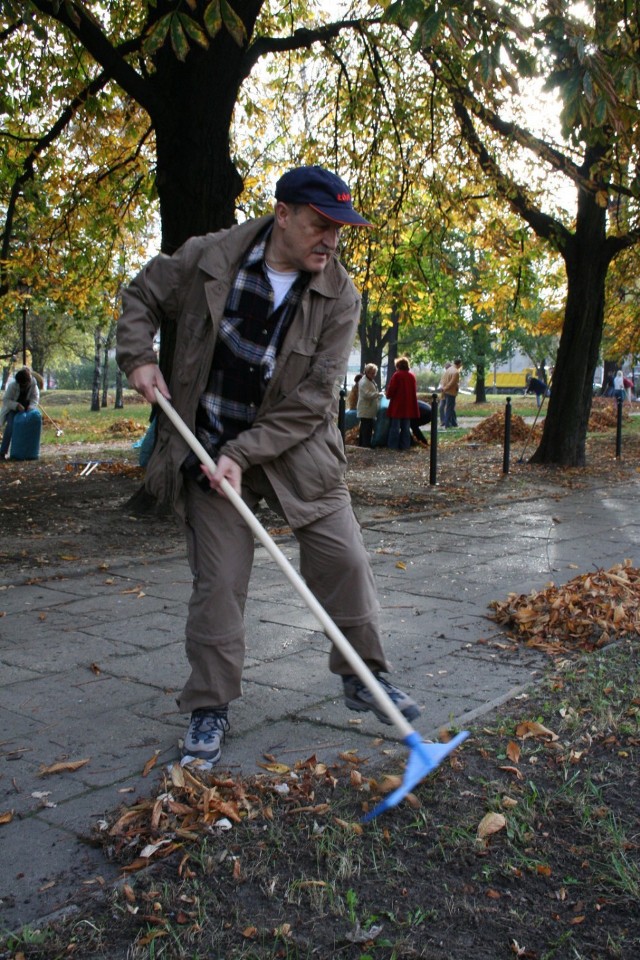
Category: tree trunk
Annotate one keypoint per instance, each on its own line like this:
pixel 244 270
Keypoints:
pixel 587 260
pixel 105 374
pixel 481 383
pixel 392 340
pixel 95 389
pixel 197 182
pixel 372 340
pixel 119 402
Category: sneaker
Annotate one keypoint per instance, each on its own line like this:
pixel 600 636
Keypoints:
pixel 206 734
pixel 358 697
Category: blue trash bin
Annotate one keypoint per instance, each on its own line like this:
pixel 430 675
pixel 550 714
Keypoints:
pixel 25 440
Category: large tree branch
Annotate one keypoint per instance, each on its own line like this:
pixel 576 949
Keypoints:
pixel 545 226
pixel 88 31
pixel 303 38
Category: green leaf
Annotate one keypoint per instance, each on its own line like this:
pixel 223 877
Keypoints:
pixel 157 35
pixel 431 25
pixel 179 41
pixel 233 23
pixel 194 30
pixel 600 112
pixel 213 18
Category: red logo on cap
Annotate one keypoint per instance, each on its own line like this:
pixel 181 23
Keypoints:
pixel 344 197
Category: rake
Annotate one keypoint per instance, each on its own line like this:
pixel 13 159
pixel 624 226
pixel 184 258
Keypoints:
pixel 59 430
pixel 423 757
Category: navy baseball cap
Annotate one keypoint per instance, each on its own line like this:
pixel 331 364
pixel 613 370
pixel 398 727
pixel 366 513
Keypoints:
pixel 322 191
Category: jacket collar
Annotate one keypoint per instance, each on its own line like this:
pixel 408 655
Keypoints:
pixel 224 251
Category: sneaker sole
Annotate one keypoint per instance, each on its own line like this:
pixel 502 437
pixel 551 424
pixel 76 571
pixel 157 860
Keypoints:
pixel 202 755
pixel 411 713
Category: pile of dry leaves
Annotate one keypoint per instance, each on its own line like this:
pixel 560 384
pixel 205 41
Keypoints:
pixel 587 612
pixel 126 428
pixel 491 430
pixel 193 802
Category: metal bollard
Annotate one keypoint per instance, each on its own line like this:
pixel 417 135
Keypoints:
pixel 433 450
pixel 507 436
pixel 619 429
pixel 341 409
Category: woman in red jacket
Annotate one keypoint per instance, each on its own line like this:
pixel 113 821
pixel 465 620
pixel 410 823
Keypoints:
pixel 403 405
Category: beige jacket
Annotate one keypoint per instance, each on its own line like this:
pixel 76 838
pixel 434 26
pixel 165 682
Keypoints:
pixel 450 382
pixel 294 436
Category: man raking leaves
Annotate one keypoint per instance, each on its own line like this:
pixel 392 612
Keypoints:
pixel 265 318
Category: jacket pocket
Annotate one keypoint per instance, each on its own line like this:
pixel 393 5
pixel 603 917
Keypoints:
pixel 314 467
pixel 296 366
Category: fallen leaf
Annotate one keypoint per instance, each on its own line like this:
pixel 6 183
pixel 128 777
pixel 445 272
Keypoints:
pixel 352 827
pixel 151 762
pixel 519 774
pixel 491 823
pixel 65 766
pixel 6 817
pixel 275 767
pixel 513 751
pixel 531 728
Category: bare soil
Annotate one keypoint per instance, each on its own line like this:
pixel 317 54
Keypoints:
pixel 61 509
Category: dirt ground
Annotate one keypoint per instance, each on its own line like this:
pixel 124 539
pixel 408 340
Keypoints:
pixel 61 509
pixel 80 503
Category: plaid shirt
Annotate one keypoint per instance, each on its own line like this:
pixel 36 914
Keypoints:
pixel 250 336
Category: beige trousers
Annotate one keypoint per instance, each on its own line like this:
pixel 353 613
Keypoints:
pixel 333 562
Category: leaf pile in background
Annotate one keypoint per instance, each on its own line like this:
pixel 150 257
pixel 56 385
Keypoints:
pixel 126 427
pixel 604 413
pixel 491 430
pixel 587 612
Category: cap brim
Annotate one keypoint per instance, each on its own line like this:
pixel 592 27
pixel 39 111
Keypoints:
pixel 346 216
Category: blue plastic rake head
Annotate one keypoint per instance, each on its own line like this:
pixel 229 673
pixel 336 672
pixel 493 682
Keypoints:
pixel 423 759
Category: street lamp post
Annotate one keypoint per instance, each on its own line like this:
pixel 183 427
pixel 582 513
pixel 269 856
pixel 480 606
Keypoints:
pixel 26 293
pixel 24 334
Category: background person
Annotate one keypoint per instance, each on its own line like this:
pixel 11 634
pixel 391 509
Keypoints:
pixel 352 398
pixel 537 386
pixel 21 394
pixel 441 404
pixel 619 391
pixel 450 390
pixel 368 398
pixel 403 405
pixel 265 319
pixel 423 420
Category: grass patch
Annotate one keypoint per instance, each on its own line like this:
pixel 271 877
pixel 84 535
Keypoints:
pixel 70 411
pixel 557 876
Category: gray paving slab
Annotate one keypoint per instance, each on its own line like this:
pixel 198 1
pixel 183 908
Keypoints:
pixel 91 661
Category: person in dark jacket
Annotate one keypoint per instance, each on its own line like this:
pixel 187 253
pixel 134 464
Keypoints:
pixel 403 405
pixel 537 386
pixel 423 420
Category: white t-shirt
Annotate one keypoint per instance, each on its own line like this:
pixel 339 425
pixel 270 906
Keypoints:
pixel 281 283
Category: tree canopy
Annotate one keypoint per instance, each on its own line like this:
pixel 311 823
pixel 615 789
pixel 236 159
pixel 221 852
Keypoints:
pixel 425 106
